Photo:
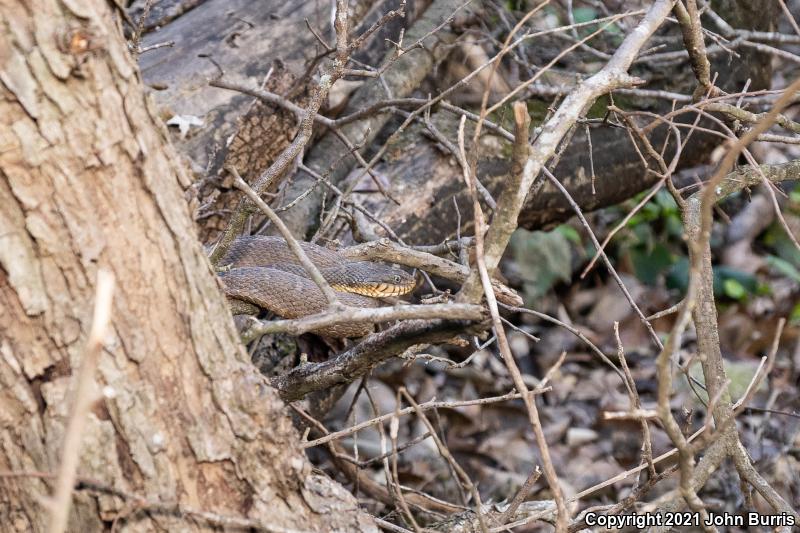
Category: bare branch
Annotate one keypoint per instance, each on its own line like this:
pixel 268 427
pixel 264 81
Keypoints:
pixel 348 315
pixel 689 19
pixel 371 351
pixel 611 77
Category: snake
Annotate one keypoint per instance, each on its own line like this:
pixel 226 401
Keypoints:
pixel 263 271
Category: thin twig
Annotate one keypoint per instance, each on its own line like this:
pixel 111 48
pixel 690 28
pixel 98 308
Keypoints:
pixel 83 400
pixel 606 261
pixel 502 342
pixel 445 452
pixel 432 404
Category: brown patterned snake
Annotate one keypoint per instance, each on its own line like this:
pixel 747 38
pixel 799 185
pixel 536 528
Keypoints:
pixel 265 272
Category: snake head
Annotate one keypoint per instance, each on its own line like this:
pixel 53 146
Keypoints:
pixel 377 280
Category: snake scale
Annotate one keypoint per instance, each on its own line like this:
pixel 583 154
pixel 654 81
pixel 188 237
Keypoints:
pixel 263 271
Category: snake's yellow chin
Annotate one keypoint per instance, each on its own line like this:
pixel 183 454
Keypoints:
pixel 379 290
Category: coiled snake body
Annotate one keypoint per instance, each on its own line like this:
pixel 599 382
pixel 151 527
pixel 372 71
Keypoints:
pixel 265 272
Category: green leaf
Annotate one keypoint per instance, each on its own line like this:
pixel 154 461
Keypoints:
pixel 542 260
pixel 674 226
pixel 584 14
pixel 635 220
pixel 665 200
pixel 650 211
pixel 783 267
pixel 645 236
pixel 794 317
pixel 775 237
pixel 728 281
pixel 763 289
pixel 678 275
pixel 723 273
pixel 648 266
pixel 570 233
pixel 734 289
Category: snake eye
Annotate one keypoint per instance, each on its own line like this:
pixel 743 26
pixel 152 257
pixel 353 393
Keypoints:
pixel 396 278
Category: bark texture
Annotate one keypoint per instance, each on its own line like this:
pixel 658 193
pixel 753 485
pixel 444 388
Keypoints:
pixel 88 180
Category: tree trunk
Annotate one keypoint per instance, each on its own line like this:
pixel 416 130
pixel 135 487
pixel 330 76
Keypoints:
pixel 88 180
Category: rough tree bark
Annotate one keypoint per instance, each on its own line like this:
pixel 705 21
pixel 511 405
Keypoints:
pixel 88 180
